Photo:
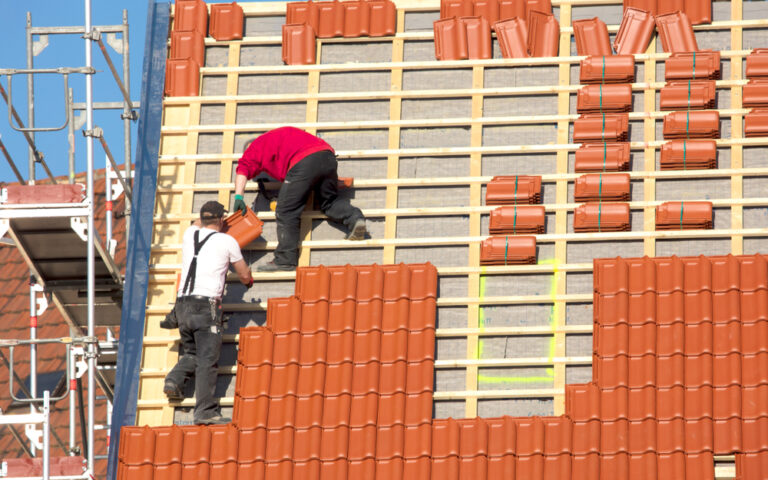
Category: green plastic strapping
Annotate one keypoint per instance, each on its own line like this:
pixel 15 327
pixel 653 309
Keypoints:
pixel 605 154
pixel 681 215
pixel 687 123
pixel 689 94
pixel 514 222
pixel 684 152
pixel 603 132
pixel 694 65
pixel 600 189
pixel 602 81
pixel 599 215
pixel 516 177
pixel 506 248
pixel 601 96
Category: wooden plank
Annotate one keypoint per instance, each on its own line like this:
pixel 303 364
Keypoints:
pixel 474 312
pixel 393 142
pixel 313 85
pixel 737 132
pixel 649 154
pixel 561 218
pixel 230 118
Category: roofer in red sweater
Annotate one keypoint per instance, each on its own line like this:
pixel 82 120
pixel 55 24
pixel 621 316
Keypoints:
pixel 304 163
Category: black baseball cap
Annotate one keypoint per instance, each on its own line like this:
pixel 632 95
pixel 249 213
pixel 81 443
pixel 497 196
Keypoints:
pixel 212 209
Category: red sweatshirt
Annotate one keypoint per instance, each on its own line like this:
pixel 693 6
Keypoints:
pixel 276 151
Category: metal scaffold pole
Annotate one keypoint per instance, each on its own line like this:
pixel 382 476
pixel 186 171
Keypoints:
pixel 91 231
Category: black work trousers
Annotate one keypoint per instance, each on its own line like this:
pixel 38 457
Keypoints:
pixel 200 329
pixel 315 172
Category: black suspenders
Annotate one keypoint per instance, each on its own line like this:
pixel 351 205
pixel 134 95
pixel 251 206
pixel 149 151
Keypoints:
pixel 189 284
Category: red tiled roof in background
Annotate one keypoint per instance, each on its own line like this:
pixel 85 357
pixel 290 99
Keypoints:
pixel 676 33
pixel 543 34
pixel 508 250
pixel 14 324
pixel 190 15
pixel 513 37
pixel 298 44
pixel 692 124
pixel 757 63
pixel 226 22
pixel 606 127
pixel 701 65
pixel 601 157
pixel 513 189
pixel 684 216
pixel 756 123
pixel 635 32
pixel 188 44
pixel 680 374
pixel 592 37
pixel 691 94
pixel 688 155
pixel 612 69
pixel 755 93
pixel 598 187
pixel 601 217
pixel 517 219
pixel 614 98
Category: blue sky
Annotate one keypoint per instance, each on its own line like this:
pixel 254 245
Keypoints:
pixel 65 50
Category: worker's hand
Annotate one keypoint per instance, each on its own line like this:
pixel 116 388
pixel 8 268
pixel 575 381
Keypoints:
pixel 239 204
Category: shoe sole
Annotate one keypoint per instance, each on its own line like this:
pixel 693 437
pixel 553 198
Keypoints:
pixel 173 395
pixel 358 231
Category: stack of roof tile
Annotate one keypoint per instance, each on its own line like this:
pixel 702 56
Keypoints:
pixel 689 155
pixel 676 33
pixel 699 11
pixel 684 216
pixel 757 63
pixel 701 65
pixel 374 18
pixel 602 157
pixel 607 69
pixel 691 94
pixel 597 187
pixel 461 38
pixel 755 93
pixel 692 124
pixel 634 33
pixel 606 127
pixel 600 98
pixel 601 217
pixel 680 374
pixel 514 220
pixel 756 123
pixel 508 250
pixel 187 52
pixel 513 189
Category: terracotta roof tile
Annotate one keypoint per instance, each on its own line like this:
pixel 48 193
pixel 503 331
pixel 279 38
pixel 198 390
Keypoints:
pixel 226 21
pixel 188 44
pixel 597 187
pixel 601 217
pixel 513 37
pixel 604 98
pixel 601 128
pixel 191 15
pixel 701 65
pixel 757 63
pixel 676 32
pixel 692 124
pixel 298 44
pixel 543 34
pixel 688 155
pixel 513 189
pixel 592 37
pixel 525 219
pixel 602 157
pixel 756 123
pixel 691 94
pixel 508 250
pixel 635 32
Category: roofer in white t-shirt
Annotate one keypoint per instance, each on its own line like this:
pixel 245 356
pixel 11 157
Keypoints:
pixel 206 256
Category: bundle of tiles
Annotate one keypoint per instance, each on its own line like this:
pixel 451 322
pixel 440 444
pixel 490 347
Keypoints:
pixel 611 69
pixel 601 217
pixel 689 155
pixel 602 157
pixel 613 187
pixel 688 94
pixel 513 189
pixel 508 250
pixel 756 123
pixel 515 220
pixel 755 93
pixel 692 124
pixel 605 127
pixel 757 63
pixel 604 98
pixel 701 65
pixel 684 216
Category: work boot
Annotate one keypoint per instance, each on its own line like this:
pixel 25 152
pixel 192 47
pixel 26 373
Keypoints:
pixel 275 267
pixel 173 392
pixel 358 231
pixel 214 420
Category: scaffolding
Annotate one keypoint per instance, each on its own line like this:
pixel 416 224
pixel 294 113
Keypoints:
pixel 84 267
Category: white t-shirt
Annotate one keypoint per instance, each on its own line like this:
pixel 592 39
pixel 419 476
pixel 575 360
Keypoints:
pixel 212 262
